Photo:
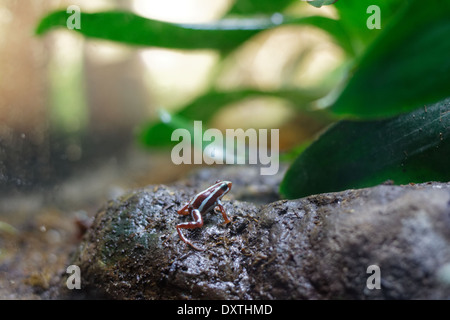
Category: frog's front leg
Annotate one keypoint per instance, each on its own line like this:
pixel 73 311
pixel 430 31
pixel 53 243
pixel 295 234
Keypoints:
pixel 197 223
pixel 185 210
pixel 221 210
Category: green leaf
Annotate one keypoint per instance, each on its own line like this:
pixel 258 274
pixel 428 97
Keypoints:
pixel 319 3
pixel 354 15
pixel 294 153
pixel 223 35
pixel 204 107
pixel 413 147
pixel 259 6
pixel 406 67
pixel 158 133
pixel 132 29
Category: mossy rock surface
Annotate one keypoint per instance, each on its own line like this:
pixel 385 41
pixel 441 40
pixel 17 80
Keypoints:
pixel 318 247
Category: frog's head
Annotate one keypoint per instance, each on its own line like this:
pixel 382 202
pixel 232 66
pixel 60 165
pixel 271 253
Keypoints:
pixel 224 185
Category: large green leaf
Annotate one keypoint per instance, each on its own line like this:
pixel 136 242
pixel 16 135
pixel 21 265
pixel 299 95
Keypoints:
pixel 259 6
pixel 413 147
pixel 319 3
pixel 204 107
pixel 406 67
pixel 354 15
pixel 223 35
pixel 158 133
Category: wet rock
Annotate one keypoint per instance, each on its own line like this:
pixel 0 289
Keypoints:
pixel 318 247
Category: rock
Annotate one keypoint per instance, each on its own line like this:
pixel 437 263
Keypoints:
pixel 318 247
pixel 404 230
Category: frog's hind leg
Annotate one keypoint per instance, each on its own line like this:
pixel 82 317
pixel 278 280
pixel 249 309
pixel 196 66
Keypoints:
pixel 197 223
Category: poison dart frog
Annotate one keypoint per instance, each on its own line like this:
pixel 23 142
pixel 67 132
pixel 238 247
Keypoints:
pixel 202 203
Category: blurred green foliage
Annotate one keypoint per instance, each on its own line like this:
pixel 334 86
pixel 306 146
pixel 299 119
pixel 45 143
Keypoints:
pixel 249 7
pixel 319 3
pixel 406 67
pixel 411 147
pixel 397 69
pixel 224 35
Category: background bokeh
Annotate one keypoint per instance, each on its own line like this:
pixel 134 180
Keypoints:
pixel 70 107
